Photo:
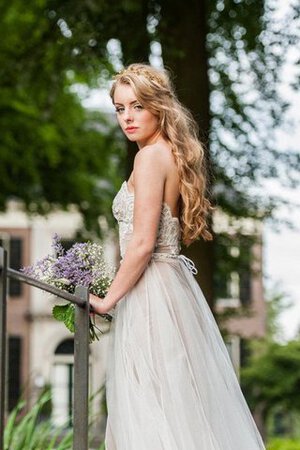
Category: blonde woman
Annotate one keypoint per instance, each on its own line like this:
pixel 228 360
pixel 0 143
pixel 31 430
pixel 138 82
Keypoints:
pixel 170 382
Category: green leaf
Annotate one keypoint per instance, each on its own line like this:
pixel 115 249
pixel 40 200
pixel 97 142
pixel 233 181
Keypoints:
pixel 10 426
pixel 59 312
pixel 70 318
pixel 66 314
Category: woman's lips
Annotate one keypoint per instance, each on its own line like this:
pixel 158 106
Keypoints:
pixel 130 129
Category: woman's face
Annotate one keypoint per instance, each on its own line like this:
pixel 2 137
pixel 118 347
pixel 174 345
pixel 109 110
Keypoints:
pixel 137 123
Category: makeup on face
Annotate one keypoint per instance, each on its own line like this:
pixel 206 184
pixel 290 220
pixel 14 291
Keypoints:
pixel 138 124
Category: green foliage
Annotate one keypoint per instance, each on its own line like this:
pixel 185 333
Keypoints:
pixel 270 376
pixel 283 444
pixel 273 376
pixel 29 431
pixel 46 408
pixel 65 313
pixel 277 302
pixel 56 153
pixel 247 44
pixel 53 153
pixel 245 49
pixel 283 423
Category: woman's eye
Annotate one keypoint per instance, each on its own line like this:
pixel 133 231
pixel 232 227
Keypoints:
pixel 139 107
pixel 119 110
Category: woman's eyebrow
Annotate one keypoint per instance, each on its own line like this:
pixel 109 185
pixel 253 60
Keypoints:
pixel 121 104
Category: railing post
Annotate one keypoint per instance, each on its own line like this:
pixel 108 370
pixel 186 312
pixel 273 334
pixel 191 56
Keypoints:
pixel 3 305
pixel 81 372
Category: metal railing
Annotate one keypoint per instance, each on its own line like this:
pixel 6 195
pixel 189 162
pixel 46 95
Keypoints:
pixel 81 350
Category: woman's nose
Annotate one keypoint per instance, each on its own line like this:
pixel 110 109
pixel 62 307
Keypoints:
pixel 127 116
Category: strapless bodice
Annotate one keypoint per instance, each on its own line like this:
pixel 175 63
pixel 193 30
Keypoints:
pixel 168 234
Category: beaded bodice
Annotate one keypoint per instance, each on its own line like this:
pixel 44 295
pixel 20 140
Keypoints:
pixel 168 234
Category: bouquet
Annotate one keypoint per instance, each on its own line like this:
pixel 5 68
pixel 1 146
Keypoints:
pixel 83 264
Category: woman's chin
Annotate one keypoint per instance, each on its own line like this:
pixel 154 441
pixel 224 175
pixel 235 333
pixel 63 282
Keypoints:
pixel 131 138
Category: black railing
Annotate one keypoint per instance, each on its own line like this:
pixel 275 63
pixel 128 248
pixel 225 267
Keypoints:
pixel 81 350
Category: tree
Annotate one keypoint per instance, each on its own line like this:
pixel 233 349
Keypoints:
pixel 270 378
pixel 53 151
pixel 227 57
pixel 182 33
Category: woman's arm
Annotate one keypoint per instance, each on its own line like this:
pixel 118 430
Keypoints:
pixel 150 172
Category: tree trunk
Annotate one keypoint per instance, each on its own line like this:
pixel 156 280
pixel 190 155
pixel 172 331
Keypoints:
pixel 182 32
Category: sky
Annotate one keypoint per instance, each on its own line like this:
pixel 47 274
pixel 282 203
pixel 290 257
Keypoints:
pixel 281 244
pixel 282 270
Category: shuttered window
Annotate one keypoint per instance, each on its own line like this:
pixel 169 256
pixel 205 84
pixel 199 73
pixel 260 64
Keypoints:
pixel 16 262
pixel 15 254
pixel 14 370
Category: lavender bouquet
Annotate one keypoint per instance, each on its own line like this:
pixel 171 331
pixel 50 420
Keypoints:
pixel 83 264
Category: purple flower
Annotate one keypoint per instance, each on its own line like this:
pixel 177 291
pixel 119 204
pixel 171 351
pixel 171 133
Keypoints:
pixel 82 264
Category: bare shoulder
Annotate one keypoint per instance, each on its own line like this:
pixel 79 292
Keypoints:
pixel 159 155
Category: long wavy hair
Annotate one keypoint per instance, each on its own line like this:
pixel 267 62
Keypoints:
pixel 154 90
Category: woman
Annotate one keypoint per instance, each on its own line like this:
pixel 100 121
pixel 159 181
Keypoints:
pixel 170 382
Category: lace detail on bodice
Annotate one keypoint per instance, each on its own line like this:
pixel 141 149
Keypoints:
pixel 168 235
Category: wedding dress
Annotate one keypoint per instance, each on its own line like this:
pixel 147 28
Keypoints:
pixel 170 382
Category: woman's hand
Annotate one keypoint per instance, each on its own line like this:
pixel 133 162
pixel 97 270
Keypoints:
pixel 99 305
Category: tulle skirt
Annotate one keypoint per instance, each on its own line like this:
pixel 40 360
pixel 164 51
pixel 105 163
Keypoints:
pixel 170 382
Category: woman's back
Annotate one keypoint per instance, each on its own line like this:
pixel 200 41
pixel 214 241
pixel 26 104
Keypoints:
pixel 171 189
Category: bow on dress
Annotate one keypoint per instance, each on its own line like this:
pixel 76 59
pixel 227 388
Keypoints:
pixel 189 264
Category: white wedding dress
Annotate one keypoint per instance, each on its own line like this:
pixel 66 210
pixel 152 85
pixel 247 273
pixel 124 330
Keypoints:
pixel 170 381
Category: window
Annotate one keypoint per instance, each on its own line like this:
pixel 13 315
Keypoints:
pixel 66 347
pixel 226 276
pixel 15 261
pixel 62 383
pixel 232 277
pixel 245 272
pixel 14 370
pixel 62 380
pixel 245 352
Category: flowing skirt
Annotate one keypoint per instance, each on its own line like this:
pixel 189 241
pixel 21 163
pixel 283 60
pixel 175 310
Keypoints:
pixel 170 382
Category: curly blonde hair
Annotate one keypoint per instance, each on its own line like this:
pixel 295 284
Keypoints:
pixel 154 90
